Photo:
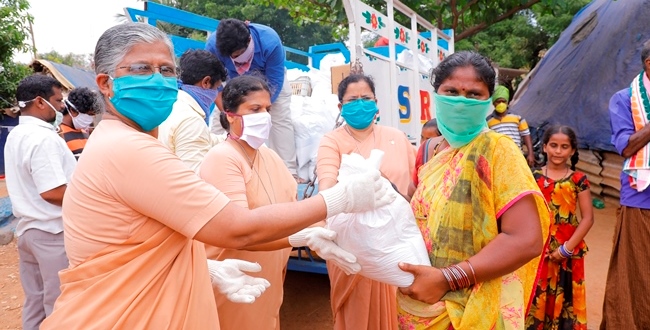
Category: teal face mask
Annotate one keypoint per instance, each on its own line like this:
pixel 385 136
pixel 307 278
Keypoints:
pixel 58 116
pixel 460 119
pixel 146 99
pixel 359 113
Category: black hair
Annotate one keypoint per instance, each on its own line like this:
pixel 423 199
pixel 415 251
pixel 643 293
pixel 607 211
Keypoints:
pixel 354 78
pixel 223 120
pixel 645 51
pixel 573 140
pixel 232 35
pixel 196 64
pixel 36 85
pixel 432 123
pixel 480 63
pixel 83 100
pixel 235 91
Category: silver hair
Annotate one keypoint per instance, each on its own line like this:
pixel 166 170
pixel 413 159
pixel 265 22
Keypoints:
pixel 117 41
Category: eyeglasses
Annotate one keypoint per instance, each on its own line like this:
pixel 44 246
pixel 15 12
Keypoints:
pixel 142 69
pixel 365 98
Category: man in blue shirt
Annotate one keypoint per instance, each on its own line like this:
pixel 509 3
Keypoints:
pixel 628 285
pixel 247 48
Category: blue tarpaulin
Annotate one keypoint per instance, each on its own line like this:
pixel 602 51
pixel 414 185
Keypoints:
pixel 596 56
pixel 68 76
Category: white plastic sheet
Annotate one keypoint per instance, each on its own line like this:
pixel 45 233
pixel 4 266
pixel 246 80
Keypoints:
pixel 313 117
pixel 382 238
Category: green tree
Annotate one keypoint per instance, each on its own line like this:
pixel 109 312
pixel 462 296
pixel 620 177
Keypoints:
pixel 14 32
pixel 293 34
pixel 81 61
pixel 12 73
pixel 466 17
pixel 513 33
pixel 520 41
pixel 14 28
pixel 514 43
pixel 553 23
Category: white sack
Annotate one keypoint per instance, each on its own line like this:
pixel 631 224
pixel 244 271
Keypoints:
pixel 293 74
pixel 382 238
pixel 330 60
pixel 312 118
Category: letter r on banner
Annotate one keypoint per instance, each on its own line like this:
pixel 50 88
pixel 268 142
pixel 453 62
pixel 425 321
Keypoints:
pixel 425 106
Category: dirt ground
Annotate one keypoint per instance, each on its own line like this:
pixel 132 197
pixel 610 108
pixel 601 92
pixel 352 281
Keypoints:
pixel 306 304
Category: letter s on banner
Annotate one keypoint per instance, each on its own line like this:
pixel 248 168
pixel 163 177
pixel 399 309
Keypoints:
pixel 403 98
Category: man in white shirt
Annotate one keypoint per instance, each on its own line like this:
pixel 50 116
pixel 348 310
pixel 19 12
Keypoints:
pixel 39 166
pixel 185 132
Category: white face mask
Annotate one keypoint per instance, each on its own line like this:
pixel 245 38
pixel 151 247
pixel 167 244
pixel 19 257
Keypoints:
pixel 243 61
pixel 82 121
pixel 256 129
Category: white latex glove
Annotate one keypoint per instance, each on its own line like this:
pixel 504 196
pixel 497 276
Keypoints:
pixel 365 192
pixel 321 240
pixel 229 278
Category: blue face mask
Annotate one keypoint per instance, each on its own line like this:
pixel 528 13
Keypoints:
pixel 460 119
pixel 203 96
pixel 146 99
pixel 359 113
pixel 209 114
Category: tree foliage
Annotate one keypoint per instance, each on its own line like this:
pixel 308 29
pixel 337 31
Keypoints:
pixel 14 32
pixel 12 73
pixel 80 61
pixel 293 34
pixel 466 17
pixel 512 32
pixel 14 28
pixel 519 42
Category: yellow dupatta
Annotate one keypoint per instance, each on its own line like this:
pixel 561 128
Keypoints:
pixel 462 194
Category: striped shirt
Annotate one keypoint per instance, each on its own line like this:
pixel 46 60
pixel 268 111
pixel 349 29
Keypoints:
pixel 511 125
pixel 74 138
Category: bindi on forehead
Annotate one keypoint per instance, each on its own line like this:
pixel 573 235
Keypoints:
pixel 465 80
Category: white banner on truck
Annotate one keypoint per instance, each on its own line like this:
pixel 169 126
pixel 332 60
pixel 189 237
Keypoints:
pixel 401 69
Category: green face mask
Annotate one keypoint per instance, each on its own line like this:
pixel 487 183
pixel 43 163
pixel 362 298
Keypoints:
pixel 460 119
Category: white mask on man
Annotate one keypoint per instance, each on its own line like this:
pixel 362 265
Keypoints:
pixel 82 121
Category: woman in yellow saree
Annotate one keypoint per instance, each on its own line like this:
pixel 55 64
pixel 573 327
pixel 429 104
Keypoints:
pixel 482 216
